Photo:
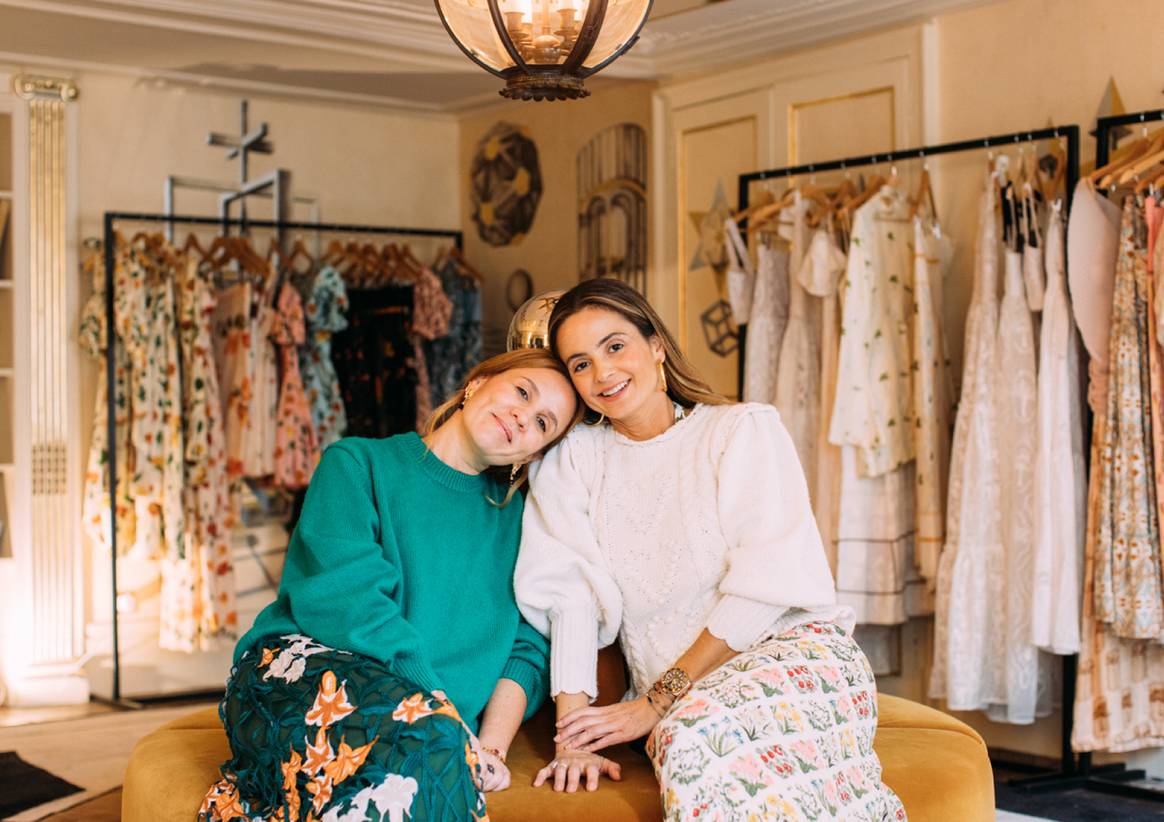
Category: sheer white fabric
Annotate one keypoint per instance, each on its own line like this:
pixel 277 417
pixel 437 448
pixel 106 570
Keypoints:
pixel 1017 442
pixel 741 278
pixel 1060 473
pixel 970 627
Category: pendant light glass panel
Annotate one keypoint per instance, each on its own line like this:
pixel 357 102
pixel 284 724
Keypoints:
pixel 471 23
pixel 623 20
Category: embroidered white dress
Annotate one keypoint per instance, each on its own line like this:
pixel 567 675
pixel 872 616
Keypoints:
pixel 969 628
pixel 766 325
pixel 872 416
pixel 1016 410
pixel 1060 472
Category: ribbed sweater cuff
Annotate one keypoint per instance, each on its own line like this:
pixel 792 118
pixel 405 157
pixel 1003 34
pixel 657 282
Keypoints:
pixel 740 621
pixel 527 676
pixel 574 651
pixel 417 672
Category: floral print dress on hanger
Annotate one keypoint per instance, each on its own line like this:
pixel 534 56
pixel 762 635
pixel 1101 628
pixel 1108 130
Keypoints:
pixel 296 448
pixel 326 313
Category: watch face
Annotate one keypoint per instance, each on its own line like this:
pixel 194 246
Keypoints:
pixel 675 680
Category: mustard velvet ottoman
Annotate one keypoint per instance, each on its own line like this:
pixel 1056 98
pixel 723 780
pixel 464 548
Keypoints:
pixel 936 764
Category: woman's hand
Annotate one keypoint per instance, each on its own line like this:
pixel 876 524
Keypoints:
pixel 591 729
pixel 494 773
pixel 568 768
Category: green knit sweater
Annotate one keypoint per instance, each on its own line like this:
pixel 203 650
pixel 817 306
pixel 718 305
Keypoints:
pixel 403 559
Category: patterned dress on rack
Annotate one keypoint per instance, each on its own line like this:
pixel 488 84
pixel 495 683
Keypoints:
pixel 259 445
pixel 198 590
pixel 431 312
pixel 1128 593
pixel 234 355
pixel 451 357
pixel 1025 693
pixel 872 417
pixel 93 338
pixel 296 447
pixel 326 313
pixel 145 314
pixel 933 395
pixel 766 325
pixel 968 626
pixel 1060 473
pixel 373 360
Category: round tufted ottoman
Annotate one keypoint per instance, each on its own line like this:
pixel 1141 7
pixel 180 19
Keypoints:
pixel 936 764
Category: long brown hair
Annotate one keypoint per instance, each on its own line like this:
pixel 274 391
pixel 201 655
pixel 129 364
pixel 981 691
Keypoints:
pixel 499 364
pixel 685 385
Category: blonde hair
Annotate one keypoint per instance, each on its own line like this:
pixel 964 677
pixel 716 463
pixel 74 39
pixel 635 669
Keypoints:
pixel 685 385
pixel 499 364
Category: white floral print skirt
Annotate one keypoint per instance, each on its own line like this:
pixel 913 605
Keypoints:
pixel 783 731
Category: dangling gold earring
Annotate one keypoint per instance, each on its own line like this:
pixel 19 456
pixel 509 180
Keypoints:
pixel 513 473
pixel 469 390
pixel 662 378
pixel 601 419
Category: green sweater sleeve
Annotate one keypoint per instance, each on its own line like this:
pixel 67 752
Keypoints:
pixel 338 580
pixel 529 666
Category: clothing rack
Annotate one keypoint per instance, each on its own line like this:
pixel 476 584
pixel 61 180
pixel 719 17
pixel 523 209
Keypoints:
pixel 224 223
pixel 1070 774
pixel 1070 133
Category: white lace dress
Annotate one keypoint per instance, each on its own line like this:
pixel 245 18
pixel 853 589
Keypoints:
pixel 970 626
pixel 1060 472
pixel 1016 398
pixel 766 325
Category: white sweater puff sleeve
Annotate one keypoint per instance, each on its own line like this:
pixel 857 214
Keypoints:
pixel 776 560
pixel 561 581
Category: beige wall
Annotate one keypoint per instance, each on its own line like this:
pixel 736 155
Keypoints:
pixel 550 250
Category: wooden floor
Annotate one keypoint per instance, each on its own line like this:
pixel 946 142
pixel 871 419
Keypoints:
pixel 105 808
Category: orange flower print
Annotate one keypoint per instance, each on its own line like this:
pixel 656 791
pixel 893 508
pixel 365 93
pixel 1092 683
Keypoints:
pixel 320 789
pixel 412 709
pixel 471 757
pixel 347 761
pixel 291 769
pixel 222 802
pixel 319 755
pixel 268 655
pixel 331 703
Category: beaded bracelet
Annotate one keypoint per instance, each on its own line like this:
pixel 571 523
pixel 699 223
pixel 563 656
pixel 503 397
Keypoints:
pixel 496 752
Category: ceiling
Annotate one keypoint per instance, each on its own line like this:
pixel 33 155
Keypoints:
pixel 393 52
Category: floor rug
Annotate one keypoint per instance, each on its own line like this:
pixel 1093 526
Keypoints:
pixel 91 753
pixel 24 786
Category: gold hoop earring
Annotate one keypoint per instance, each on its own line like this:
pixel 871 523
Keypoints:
pixel 601 419
pixel 469 391
pixel 513 473
pixel 662 378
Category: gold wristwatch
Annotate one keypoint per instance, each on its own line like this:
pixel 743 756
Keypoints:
pixel 674 683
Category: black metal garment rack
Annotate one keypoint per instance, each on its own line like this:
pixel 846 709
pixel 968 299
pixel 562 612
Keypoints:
pixel 225 224
pixel 1070 774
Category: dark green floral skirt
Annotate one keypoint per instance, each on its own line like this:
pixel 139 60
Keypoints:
pixel 331 736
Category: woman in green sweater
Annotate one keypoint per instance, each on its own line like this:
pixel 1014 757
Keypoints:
pixel 392 671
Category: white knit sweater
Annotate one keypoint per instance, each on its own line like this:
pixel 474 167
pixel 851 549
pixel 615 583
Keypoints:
pixel 706 525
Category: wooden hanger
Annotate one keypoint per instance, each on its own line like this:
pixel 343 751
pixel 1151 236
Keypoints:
pixel 766 198
pixel 465 266
pixel 1133 170
pixel 192 244
pixel 1124 156
pixel 925 194
pixel 858 200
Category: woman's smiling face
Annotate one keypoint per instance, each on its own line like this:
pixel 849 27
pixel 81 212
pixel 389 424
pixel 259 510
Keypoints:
pixel 614 368
pixel 513 415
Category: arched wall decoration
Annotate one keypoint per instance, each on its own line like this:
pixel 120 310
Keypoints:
pixel 505 185
pixel 612 206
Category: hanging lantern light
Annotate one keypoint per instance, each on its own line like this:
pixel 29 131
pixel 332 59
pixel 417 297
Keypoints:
pixel 543 49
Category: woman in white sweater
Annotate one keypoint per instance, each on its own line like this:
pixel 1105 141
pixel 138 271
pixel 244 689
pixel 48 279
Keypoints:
pixel 680 524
